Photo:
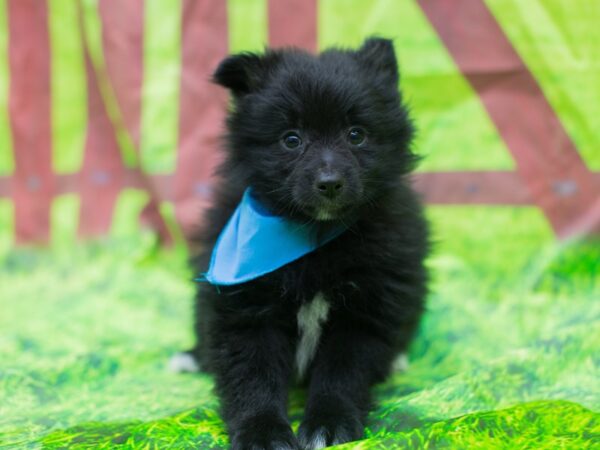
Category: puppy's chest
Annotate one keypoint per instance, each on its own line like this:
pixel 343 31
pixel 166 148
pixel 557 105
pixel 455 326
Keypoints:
pixel 311 318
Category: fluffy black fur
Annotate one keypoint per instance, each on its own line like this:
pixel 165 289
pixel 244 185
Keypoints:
pixel 372 276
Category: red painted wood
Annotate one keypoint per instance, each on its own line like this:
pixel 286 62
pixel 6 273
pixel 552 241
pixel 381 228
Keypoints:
pixel 293 23
pixel 472 188
pixel 5 187
pixel 122 39
pixel 123 44
pixel 547 160
pixel 482 188
pixel 32 184
pixel 588 223
pixel 441 188
pixel 101 176
pixel 202 107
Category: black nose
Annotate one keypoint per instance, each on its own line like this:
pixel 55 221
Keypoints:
pixel 329 185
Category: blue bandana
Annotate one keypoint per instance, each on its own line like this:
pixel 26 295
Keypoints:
pixel 254 242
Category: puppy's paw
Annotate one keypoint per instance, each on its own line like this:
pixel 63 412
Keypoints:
pixel 183 362
pixel 331 423
pixel 401 363
pixel 264 432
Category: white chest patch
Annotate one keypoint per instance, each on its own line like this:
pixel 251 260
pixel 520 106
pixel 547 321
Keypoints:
pixel 311 317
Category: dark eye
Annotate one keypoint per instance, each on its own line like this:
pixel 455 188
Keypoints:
pixel 356 136
pixel 291 140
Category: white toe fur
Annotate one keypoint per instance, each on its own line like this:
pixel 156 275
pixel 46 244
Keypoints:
pixel 401 363
pixel 183 362
pixel 318 440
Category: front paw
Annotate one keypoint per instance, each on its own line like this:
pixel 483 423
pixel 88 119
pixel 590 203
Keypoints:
pixel 264 432
pixel 330 422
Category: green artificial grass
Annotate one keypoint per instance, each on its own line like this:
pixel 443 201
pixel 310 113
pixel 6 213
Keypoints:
pixel 507 355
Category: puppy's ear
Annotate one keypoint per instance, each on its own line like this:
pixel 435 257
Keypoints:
pixel 377 54
pixel 241 73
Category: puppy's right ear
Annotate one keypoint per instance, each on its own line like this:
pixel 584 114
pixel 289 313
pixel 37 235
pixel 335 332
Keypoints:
pixel 240 73
pixel 378 55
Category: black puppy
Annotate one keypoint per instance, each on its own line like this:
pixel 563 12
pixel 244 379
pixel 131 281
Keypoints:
pixel 322 139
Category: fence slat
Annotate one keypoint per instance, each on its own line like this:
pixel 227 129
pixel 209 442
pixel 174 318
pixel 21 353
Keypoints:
pixel 29 110
pixel 293 23
pixel 101 176
pixel 202 107
pixel 122 42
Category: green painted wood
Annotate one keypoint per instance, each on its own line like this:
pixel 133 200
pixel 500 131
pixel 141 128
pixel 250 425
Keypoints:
pixel 248 25
pixel 7 163
pixel 68 87
pixel 160 91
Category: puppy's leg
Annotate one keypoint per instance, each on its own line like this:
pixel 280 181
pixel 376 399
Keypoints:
pixel 196 359
pixel 252 368
pixel 350 359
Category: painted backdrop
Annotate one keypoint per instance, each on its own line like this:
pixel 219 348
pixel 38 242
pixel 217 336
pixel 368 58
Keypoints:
pixel 106 108
pixel 109 128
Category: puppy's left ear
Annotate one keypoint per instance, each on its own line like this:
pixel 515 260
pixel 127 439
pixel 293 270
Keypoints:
pixel 239 73
pixel 377 54
pixel 246 72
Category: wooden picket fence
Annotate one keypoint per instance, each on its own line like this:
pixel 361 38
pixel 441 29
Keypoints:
pixel 550 173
